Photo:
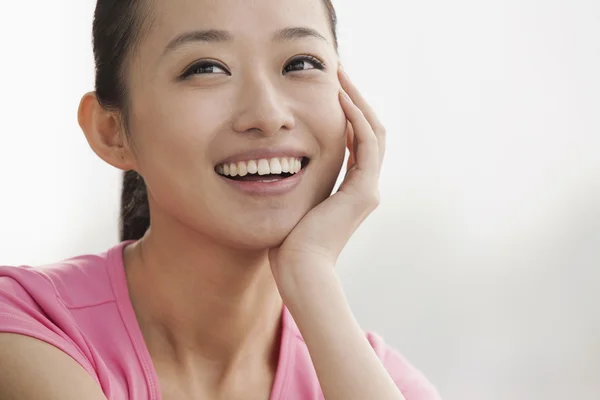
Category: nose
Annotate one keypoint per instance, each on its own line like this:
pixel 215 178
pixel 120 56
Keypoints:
pixel 262 108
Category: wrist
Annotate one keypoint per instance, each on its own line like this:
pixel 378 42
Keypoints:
pixel 305 283
pixel 316 297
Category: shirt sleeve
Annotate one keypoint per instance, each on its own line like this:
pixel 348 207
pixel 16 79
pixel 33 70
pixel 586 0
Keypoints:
pixel 29 306
pixel 411 382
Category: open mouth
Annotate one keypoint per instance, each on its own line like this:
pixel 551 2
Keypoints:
pixel 263 170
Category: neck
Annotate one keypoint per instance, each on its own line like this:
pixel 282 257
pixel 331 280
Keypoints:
pixel 196 300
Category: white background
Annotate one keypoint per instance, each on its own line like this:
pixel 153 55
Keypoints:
pixel 483 263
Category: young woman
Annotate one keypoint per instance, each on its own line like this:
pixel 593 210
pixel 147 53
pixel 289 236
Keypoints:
pixel 237 116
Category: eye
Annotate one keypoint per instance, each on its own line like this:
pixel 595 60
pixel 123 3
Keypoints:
pixel 300 64
pixel 204 68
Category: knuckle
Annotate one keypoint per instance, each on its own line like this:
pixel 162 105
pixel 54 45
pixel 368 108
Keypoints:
pixel 382 141
pixel 376 199
pixel 380 129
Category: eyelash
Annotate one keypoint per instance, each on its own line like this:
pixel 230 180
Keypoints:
pixel 317 64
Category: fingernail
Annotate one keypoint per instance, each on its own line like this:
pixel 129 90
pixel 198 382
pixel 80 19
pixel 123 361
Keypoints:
pixel 345 95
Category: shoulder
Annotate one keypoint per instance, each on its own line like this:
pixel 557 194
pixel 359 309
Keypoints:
pixel 43 302
pixel 30 306
pixel 74 283
pixel 32 369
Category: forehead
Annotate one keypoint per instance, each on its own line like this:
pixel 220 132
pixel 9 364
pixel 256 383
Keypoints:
pixel 245 19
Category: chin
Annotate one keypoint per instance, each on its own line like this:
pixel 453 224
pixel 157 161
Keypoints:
pixel 261 233
pixel 257 242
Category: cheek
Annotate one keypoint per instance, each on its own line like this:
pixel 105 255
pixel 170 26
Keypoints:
pixel 175 132
pixel 173 135
pixel 329 123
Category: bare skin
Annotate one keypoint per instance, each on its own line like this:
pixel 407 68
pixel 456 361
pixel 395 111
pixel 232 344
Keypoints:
pixel 209 278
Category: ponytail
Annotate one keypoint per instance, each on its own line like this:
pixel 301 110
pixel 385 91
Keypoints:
pixel 135 210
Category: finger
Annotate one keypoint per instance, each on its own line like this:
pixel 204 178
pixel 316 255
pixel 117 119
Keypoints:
pixel 359 100
pixel 351 145
pixel 363 105
pixel 367 149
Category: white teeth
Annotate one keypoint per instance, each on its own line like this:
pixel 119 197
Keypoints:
pixel 275 166
pixel 263 167
pixel 252 167
pixel 242 169
pixel 285 165
pixel 233 169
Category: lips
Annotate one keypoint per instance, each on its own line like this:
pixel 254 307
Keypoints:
pixel 266 171
pixel 266 185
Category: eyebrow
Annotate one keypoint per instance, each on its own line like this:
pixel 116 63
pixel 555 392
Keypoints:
pixel 216 36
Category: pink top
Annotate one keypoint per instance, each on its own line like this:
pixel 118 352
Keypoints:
pixel 82 307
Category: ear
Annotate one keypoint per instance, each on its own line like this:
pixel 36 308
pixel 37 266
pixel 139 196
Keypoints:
pixel 104 132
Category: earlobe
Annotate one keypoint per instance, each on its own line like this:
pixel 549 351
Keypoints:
pixel 103 131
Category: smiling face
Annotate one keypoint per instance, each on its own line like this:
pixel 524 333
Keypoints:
pixel 223 83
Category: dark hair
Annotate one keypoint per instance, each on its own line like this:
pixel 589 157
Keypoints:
pixel 117 29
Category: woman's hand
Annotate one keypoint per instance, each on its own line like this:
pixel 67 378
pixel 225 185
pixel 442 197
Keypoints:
pixel 319 237
pixel 345 363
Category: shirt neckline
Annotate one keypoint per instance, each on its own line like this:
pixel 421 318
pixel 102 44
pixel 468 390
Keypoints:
pixel 118 278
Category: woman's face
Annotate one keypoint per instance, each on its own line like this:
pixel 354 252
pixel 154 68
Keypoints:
pixel 200 101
